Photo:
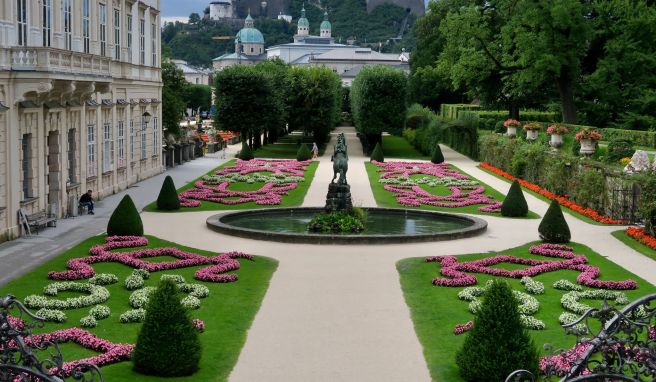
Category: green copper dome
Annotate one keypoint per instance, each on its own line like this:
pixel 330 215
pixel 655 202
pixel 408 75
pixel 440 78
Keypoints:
pixel 303 22
pixel 250 36
pixel 326 24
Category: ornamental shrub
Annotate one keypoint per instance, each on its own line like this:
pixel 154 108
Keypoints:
pixel 498 344
pixel 168 344
pixel 168 196
pixel 125 220
pixel 514 205
pixel 377 154
pixel 437 157
pixel 553 227
pixel 245 153
pixel 619 149
pixel 303 153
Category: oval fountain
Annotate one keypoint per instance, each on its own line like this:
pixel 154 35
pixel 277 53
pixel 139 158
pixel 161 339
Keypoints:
pixel 382 225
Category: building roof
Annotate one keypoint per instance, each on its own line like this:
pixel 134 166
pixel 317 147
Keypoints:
pixel 186 69
pixel 317 42
pixel 356 54
pixel 303 22
pixel 250 36
pixel 239 57
pixel 220 2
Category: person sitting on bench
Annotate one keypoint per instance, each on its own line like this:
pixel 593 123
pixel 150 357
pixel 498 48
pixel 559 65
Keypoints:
pixel 87 201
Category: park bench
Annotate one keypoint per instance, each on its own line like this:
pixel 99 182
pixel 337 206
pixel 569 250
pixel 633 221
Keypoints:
pixel 37 219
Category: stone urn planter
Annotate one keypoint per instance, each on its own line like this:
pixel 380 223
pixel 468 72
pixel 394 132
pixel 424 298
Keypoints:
pixel 556 141
pixel 512 131
pixel 588 147
pixel 531 135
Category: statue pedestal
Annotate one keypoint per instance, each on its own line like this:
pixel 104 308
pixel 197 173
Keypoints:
pixel 338 198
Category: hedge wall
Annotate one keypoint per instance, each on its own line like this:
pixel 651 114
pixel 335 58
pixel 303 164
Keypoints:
pixel 488 120
pixel 450 112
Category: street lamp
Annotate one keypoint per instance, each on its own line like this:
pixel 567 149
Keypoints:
pixel 146 117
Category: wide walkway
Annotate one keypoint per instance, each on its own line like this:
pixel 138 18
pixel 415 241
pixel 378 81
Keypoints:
pixel 19 256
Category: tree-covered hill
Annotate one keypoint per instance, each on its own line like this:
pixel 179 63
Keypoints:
pixel 193 42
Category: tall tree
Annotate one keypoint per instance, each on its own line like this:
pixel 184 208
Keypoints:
pixel 173 104
pixel 198 96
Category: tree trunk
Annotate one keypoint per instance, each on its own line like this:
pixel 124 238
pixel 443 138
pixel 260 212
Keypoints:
pixel 257 140
pixel 566 90
pixel 513 111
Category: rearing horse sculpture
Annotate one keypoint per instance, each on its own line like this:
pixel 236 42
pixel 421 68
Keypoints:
pixel 340 160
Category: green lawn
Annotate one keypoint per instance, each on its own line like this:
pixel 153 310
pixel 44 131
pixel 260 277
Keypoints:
pixel 286 147
pixel 399 147
pixel 436 310
pixel 228 311
pixel 292 199
pixel 386 198
pixel 546 200
pixel 635 244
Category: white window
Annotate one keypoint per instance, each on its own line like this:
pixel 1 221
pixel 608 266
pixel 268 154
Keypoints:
pixel 156 143
pixel 132 140
pixel 26 145
pixel 108 148
pixel 144 137
pixel 91 150
pixel 153 45
pixel 86 35
pixel 129 27
pixel 120 142
pixel 68 24
pixel 46 22
pixel 72 158
pixel 21 17
pixel 142 42
pixel 102 17
pixel 117 34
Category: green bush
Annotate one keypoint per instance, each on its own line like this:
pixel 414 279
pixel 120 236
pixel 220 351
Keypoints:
pixel 553 227
pixel 377 154
pixel 417 117
pixel 167 344
pixel 125 220
pixel 498 344
pixel 589 188
pixel 619 149
pixel 245 153
pixel 437 157
pixel 514 205
pixel 167 199
pixel 338 222
pixel 303 153
pixel 450 112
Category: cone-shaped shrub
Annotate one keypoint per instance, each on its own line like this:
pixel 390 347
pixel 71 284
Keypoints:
pixel 498 344
pixel 168 196
pixel 553 227
pixel 125 220
pixel 245 153
pixel 168 343
pixel 377 154
pixel 514 205
pixel 303 153
pixel 437 157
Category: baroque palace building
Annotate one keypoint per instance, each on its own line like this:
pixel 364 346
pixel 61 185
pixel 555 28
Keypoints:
pixel 80 91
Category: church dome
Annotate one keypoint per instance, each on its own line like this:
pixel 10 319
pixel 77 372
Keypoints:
pixel 325 24
pixel 250 36
pixel 303 22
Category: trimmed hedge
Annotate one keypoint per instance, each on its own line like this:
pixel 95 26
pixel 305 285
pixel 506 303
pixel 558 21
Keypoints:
pixel 450 112
pixel 437 157
pixel 303 153
pixel 553 227
pixel 245 153
pixel 125 220
pixel 488 120
pixel 514 205
pixel 167 199
pixel 377 154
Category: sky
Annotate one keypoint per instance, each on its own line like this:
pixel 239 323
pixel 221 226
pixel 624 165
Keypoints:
pixel 182 8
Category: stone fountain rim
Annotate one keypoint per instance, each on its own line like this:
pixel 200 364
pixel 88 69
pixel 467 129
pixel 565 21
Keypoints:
pixel 214 223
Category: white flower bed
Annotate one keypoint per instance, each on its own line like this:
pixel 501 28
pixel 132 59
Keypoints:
pixel 567 285
pixel 190 302
pixel 134 315
pixel 104 279
pixel 570 300
pixel 196 290
pixel 88 322
pixel 178 279
pixel 100 312
pixel 97 295
pixel 139 298
pixel 133 282
pixel 532 286
pixel 51 315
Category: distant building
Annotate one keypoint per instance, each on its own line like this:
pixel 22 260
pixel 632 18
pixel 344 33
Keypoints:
pixel 287 18
pixel 348 62
pixel 249 48
pixel 193 75
pixel 221 9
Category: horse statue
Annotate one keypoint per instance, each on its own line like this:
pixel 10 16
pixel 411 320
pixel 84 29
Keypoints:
pixel 340 160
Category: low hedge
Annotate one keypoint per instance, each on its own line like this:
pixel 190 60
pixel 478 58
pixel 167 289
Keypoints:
pixel 450 112
pixel 489 119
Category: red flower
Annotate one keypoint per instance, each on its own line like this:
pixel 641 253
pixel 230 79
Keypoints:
pixel 642 236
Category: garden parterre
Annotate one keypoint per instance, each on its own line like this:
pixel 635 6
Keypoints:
pixel 439 313
pixel 108 341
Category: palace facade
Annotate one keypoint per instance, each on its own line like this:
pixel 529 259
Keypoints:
pixel 80 91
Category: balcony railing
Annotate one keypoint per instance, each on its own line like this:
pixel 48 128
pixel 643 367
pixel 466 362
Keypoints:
pixel 58 60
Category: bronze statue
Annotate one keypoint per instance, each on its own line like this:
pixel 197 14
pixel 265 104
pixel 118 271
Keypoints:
pixel 340 160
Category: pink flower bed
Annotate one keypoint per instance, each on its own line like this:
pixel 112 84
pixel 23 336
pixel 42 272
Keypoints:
pixel 199 324
pixel 456 273
pixel 462 328
pixel 563 362
pixel 80 268
pixel 414 196
pixel 269 194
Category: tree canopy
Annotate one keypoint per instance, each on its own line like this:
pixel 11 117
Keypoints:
pixel 173 103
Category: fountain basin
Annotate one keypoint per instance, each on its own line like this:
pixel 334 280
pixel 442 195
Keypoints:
pixel 383 226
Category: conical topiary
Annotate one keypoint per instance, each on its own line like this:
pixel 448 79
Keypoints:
pixel 303 153
pixel 514 205
pixel 245 153
pixel 437 157
pixel 498 344
pixel 553 227
pixel 125 220
pixel 168 344
pixel 168 196
pixel 377 154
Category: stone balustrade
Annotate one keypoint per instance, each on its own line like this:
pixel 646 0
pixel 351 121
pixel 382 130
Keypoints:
pixel 44 59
